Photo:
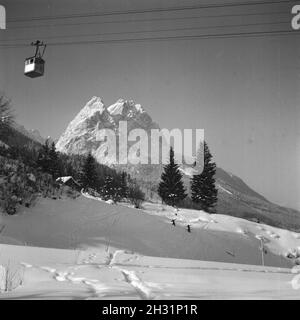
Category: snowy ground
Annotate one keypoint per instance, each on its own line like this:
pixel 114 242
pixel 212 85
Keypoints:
pixel 71 274
pixel 88 249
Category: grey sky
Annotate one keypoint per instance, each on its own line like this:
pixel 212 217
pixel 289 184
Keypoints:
pixel 244 91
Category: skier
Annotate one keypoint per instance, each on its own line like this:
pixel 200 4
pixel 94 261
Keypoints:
pixel 188 228
pixel 173 222
pixel 176 211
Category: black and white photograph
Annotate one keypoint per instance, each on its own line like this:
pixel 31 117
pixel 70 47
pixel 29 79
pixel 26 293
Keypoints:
pixel 149 150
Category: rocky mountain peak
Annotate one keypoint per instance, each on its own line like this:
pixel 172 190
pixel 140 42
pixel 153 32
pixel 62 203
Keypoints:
pixel 80 136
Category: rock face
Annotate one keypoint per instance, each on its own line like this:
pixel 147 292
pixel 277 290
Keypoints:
pixel 82 134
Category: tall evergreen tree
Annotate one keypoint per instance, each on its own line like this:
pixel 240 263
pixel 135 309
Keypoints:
pixel 171 188
pixel 89 173
pixel 54 165
pixel 123 185
pixel 43 160
pixel 111 189
pixel 204 191
pixel 107 190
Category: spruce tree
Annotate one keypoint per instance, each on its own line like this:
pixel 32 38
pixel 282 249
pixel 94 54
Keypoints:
pixel 54 165
pixel 108 188
pixel 171 188
pixel 111 189
pixel 43 160
pixel 123 185
pixel 204 191
pixel 89 173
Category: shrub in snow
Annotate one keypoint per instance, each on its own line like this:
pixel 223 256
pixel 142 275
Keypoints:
pixel 71 193
pixel 2 278
pixel 135 195
pixel 108 189
pixel 293 253
pixel 10 278
pixel 20 185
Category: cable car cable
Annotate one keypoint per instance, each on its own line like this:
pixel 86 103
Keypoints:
pixel 151 20
pixel 152 10
pixel 152 31
pixel 168 38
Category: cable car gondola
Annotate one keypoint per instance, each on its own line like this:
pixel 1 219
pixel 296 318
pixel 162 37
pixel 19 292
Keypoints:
pixel 35 66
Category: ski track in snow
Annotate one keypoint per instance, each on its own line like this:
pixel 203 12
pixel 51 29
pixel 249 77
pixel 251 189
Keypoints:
pixel 144 292
pixel 98 288
pixel 142 288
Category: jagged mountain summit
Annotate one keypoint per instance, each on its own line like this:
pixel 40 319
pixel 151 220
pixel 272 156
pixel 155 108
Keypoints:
pixel 81 135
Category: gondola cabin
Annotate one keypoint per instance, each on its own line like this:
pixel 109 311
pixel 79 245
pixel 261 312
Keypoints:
pixel 34 67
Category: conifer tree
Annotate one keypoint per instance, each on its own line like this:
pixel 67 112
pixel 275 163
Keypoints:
pixel 89 173
pixel 171 188
pixel 204 191
pixel 43 160
pixel 111 189
pixel 54 166
pixel 123 185
pixel 107 189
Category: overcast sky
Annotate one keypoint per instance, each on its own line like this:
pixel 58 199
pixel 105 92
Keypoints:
pixel 244 91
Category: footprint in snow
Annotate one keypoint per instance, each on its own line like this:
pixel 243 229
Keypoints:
pixel 274 235
pixel 261 228
pixel 90 258
pixel 98 288
pixel 51 270
pixel 76 279
pixel 26 265
pixel 61 276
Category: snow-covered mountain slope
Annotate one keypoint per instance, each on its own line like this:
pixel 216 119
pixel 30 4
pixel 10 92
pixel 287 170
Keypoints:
pixel 237 199
pixel 19 136
pixel 87 223
pixel 235 196
pixel 88 249
pixel 32 134
pixel 43 273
